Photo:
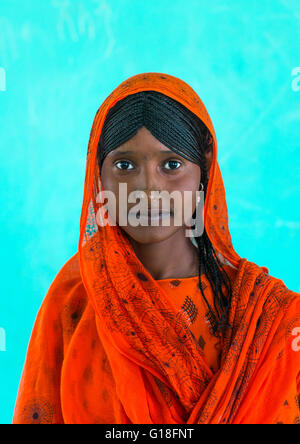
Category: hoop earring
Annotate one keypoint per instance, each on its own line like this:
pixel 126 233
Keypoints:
pixel 202 189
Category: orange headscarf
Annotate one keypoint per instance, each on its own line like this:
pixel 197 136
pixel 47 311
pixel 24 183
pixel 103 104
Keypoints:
pixel 107 346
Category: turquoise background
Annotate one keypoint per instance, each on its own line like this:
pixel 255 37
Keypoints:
pixel 62 58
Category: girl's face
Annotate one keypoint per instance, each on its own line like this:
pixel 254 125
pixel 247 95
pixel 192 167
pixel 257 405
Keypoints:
pixel 145 164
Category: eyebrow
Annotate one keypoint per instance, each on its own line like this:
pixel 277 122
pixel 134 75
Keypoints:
pixel 116 152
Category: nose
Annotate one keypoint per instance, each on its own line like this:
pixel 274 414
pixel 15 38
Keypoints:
pixel 150 180
pixel 152 195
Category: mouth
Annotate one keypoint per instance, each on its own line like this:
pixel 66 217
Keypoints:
pixel 153 216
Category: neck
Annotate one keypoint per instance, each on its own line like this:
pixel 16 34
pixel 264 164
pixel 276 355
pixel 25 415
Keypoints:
pixel 175 257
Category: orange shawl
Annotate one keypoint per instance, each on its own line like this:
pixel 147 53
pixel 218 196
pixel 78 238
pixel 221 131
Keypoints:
pixel 107 347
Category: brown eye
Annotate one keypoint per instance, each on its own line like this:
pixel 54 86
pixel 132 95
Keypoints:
pixel 173 164
pixel 123 163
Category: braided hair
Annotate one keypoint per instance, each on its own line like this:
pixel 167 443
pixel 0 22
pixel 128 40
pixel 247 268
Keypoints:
pixel 184 133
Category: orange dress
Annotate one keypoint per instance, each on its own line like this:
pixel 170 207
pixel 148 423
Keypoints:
pixel 185 294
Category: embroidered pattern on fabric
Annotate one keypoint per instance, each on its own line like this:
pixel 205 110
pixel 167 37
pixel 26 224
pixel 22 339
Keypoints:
pixel 189 310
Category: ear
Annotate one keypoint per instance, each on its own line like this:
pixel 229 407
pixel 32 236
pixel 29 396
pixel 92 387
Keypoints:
pixel 209 159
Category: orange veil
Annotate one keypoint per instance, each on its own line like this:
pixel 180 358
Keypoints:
pixel 107 347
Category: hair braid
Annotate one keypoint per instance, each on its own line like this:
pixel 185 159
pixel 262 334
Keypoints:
pixel 208 259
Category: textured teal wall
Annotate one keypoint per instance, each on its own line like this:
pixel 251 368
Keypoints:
pixel 60 59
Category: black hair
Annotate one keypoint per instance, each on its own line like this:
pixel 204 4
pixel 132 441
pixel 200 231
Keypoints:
pixel 183 132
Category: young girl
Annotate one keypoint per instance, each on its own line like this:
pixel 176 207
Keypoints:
pixel 145 324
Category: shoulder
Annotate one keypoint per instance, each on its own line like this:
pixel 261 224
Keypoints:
pixel 69 274
pixel 281 292
pixel 282 303
pixel 66 286
pixel 255 281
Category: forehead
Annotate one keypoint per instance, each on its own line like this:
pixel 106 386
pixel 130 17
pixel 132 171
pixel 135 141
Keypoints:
pixel 143 143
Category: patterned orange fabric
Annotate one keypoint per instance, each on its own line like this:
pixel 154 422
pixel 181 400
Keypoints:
pixel 185 295
pixel 107 346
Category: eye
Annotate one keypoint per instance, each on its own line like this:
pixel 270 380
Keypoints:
pixel 173 164
pixel 123 162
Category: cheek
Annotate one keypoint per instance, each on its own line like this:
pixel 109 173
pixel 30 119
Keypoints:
pixel 109 183
pixel 190 180
pixel 194 178
pixel 188 188
pixel 106 178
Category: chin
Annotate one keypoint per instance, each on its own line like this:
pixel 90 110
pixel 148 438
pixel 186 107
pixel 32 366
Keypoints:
pixel 149 235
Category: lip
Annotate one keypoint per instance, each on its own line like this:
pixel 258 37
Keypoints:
pixel 146 218
pixel 155 215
